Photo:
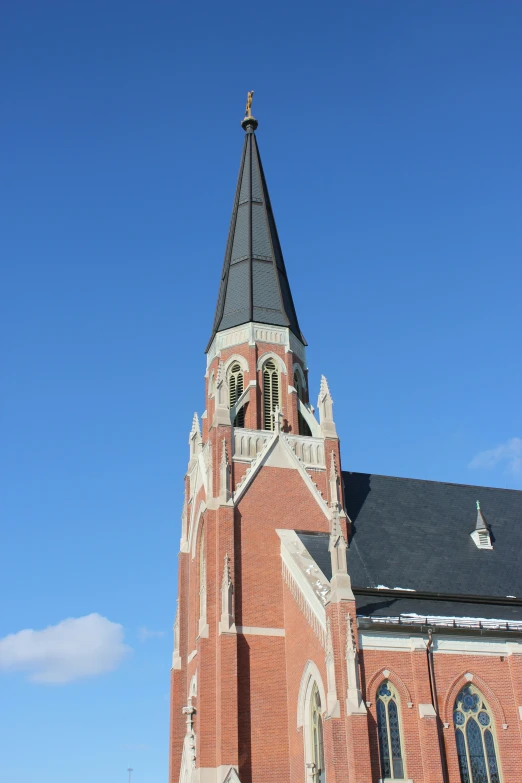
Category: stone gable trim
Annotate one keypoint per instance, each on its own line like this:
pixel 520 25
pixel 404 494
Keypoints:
pixel 222 774
pixel 262 457
pixel 306 582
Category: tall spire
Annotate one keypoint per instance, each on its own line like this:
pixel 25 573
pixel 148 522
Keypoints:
pixel 254 285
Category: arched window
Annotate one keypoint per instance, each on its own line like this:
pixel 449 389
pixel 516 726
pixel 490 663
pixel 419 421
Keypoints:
pixel 298 386
pixel 316 728
pixel 389 729
pixel 235 386
pixel 270 393
pixel 475 736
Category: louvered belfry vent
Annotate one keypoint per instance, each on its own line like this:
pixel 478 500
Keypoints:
pixel 236 386
pixel 270 393
pixel 254 286
pixel 484 539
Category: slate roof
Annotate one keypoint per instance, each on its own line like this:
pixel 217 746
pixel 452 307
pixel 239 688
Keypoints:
pixel 415 535
pixel 254 284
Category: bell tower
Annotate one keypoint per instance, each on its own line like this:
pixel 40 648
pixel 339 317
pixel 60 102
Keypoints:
pixel 260 463
pixel 255 316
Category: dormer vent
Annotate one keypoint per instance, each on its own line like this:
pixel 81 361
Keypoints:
pixel 481 535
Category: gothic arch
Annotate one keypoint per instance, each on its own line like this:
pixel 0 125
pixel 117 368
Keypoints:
pixel 299 370
pixel 277 359
pixel 485 689
pixel 194 533
pixel 311 674
pixel 236 357
pixel 375 680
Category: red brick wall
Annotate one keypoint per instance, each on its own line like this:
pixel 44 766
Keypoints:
pixel 301 645
pixel 263 738
pixel 278 498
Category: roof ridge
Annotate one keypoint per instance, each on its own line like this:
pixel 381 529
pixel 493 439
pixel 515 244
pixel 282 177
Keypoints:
pixel 432 481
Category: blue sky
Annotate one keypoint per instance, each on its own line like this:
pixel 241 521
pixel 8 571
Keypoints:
pixel 390 135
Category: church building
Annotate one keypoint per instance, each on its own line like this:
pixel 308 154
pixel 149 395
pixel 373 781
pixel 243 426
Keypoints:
pixel 331 627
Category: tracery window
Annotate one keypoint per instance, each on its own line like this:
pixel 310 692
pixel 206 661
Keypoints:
pixel 475 736
pixel 316 728
pixel 235 387
pixel 389 730
pixel 270 393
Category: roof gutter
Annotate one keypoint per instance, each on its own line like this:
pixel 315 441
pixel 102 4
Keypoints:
pixel 454 597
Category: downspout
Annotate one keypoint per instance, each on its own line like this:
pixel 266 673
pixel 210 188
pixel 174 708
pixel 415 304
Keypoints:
pixel 434 701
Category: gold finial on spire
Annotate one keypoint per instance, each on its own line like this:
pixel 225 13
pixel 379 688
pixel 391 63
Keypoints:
pixel 249 123
pixel 248 110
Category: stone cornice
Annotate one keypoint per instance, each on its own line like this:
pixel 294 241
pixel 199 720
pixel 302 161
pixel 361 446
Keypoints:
pixel 256 332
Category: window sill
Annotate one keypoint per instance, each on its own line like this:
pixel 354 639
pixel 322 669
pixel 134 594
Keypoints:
pixel 395 780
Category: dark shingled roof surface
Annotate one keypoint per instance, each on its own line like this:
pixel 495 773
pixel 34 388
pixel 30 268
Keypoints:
pixel 254 285
pixel 414 534
pixel 388 606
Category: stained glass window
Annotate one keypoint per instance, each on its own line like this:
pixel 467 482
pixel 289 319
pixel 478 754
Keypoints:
pixel 463 759
pixel 389 732
pixel 474 734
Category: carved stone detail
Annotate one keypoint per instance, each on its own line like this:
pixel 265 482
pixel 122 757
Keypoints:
pixel 332 703
pixel 325 405
pixel 224 475
pixel 354 702
pixel 190 737
pixel 227 624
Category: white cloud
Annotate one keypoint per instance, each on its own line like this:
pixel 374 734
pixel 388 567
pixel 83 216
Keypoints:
pixel 145 633
pixel 74 648
pixel 508 454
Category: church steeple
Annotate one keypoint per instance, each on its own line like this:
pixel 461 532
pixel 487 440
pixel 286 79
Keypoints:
pixel 254 285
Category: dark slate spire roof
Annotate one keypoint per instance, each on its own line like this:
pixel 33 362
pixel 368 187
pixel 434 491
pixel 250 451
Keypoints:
pixel 254 285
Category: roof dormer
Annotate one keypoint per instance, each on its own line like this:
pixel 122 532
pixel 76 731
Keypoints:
pixel 481 535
